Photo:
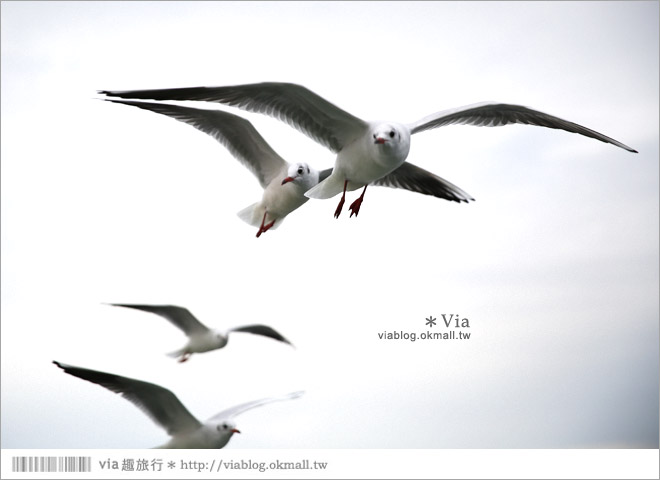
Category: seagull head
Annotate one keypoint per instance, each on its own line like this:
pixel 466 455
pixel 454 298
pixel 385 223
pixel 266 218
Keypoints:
pixel 389 142
pixel 301 174
pixel 386 134
pixel 227 428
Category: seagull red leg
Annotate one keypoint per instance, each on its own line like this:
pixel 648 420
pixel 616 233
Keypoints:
pixel 355 206
pixel 341 202
pixel 264 228
pixel 184 357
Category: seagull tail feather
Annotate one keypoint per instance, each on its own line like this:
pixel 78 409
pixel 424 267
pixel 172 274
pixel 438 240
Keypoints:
pixel 176 353
pixel 254 214
pixel 328 188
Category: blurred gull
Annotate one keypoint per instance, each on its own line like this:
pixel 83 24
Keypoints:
pixel 367 151
pixel 200 337
pixel 285 184
pixel 167 411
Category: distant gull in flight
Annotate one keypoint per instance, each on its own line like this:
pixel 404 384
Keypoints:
pixel 167 411
pixel 285 184
pixel 366 151
pixel 200 337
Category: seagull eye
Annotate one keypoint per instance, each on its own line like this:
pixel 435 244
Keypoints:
pixel 392 134
pixel 300 170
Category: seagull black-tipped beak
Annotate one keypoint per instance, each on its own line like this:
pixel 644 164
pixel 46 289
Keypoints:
pixel 235 430
pixel 287 180
pixel 380 141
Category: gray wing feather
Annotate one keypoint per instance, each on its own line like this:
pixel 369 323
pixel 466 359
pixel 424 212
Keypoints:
pixel 264 330
pixel 323 174
pixel 294 104
pixel 416 179
pixel 243 407
pixel 179 316
pixel 491 114
pixel 158 403
pixel 235 133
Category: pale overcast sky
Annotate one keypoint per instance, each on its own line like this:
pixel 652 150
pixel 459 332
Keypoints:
pixel 555 264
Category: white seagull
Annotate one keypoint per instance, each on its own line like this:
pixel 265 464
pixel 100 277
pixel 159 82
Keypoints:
pixel 200 337
pixel 167 411
pixel 366 151
pixel 285 184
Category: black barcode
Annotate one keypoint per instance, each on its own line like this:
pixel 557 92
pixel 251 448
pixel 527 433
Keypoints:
pixel 51 464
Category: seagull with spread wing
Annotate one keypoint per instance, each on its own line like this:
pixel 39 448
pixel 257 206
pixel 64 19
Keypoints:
pixel 167 411
pixel 366 151
pixel 285 184
pixel 200 337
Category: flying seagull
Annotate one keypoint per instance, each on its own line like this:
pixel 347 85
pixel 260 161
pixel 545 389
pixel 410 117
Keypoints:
pixel 366 151
pixel 167 411
pixel 200 337
pixel 285 184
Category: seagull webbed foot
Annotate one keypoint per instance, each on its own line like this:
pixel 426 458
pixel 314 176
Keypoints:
pixel 341 202
pixel 264 228
pixel 355 206
pixel 339 207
